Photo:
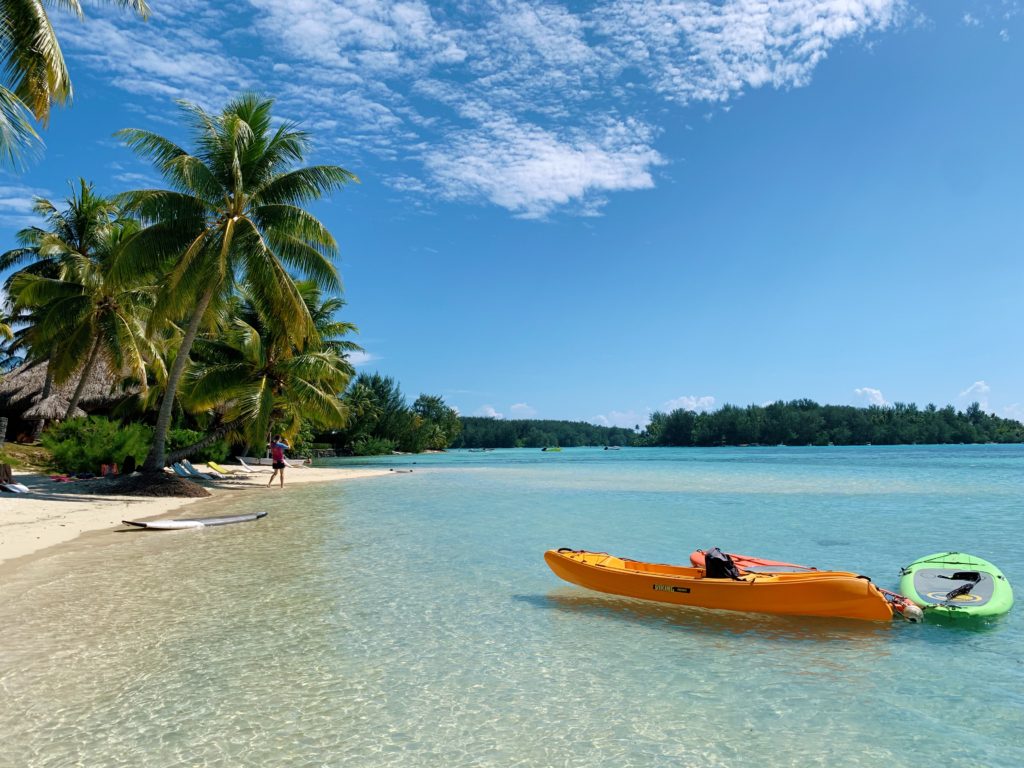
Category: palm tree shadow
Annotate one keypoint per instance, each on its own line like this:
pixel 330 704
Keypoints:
pixel 718 624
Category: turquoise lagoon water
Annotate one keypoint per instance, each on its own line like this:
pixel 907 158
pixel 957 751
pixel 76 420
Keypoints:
pixel 410 620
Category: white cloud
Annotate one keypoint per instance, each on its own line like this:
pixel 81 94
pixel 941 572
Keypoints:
pixel 167 57
pixel 977 392
pixel 530 170
pixel 690 403
pixel 522 411
pixel 971 21
pixel 358 359
pixel 705 51
pixel 872 395
pixel 529 105
pixel 1014 411
pixel 138 180
pixel 627 419
pixel 16 204
pixel 488 411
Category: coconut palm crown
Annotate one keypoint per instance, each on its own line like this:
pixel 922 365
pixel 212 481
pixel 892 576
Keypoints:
pixel 233 214
pixel 35 74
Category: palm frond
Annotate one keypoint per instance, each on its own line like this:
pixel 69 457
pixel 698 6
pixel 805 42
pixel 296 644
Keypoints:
pixel 303 185
pixel 307 259
pixel 18 139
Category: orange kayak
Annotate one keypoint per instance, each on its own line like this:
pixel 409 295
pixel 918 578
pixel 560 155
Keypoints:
pixel 748 563
pixel 904 606
pixel 816 593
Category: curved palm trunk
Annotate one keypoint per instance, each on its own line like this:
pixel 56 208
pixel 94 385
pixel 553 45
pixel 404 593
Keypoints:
pixel 47 387
pixel 210 439
pixel 84 378
pixel 157 458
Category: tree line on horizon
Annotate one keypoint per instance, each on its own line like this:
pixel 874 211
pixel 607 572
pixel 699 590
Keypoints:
pixel 797 422
pixel 489 432
pixel 805 422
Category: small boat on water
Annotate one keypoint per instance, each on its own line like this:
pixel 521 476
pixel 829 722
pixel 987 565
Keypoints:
pixel 193 522
pixel 836 594
pixel 554 448
pixel 748 564
pixel 956 585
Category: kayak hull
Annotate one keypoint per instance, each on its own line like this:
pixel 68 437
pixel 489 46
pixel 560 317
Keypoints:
pixel 196 522
pixel 930 580
pixel 820 593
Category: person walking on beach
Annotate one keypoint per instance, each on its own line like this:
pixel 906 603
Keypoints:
pixel 277 449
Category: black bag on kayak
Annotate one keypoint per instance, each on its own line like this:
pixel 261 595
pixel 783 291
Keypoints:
pixel 718 565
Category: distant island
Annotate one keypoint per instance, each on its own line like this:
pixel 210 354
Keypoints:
pixel 797 422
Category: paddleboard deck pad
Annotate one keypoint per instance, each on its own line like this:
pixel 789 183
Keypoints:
pixel 956 584
pixel 195 522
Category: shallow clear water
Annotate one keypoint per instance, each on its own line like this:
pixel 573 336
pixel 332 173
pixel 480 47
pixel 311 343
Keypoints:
pixel 410 620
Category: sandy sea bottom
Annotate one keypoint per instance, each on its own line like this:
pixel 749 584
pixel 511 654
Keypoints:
pixel 410 620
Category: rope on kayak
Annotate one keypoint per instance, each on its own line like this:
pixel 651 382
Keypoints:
pixel 904 606
pixel 938 559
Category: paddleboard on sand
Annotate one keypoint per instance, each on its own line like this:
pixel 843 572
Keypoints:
pixel 196 522
pixel 956 584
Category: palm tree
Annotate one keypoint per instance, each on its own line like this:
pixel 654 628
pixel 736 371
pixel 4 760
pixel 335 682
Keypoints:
pixel 75 229
pixel 36 74
pixel 71 232
pixel 259 374
pixel 86 313
pixel 323 312
pixel 234 215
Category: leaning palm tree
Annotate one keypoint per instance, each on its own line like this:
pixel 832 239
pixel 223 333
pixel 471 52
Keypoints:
pixel 86 314
pixel 36 76
pixel 233 214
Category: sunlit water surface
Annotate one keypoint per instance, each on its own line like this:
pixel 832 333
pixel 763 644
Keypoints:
pixel 410 621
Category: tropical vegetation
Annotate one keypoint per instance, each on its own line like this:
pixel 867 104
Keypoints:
pixel 381 421
pixel 210 305
pixel 35 75
pixel 483 432
pixel 805 422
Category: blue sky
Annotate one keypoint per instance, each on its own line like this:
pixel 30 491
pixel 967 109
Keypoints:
pixel 596 210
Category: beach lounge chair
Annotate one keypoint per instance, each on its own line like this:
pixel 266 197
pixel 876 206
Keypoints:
pixel 223 470
pixel 180 471
pixel 211 475
pixel 247 468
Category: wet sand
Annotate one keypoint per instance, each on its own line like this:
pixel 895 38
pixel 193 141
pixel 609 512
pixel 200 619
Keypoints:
pixel 56 513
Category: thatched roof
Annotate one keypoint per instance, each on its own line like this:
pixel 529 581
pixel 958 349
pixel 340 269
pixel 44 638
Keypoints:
pixel 21 389
pixel 53 407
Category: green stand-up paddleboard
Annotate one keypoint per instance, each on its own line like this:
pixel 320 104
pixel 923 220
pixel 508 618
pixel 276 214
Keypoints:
pixel 956 584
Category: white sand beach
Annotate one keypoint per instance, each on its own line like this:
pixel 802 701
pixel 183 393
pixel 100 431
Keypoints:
pixel 54 513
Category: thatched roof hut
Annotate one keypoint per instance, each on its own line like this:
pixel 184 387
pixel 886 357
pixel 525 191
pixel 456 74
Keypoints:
pixel 20 389
pixel 53 407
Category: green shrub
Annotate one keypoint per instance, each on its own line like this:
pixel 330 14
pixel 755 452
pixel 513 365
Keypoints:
pixel 182 438
pixel 82 445
pixel 366 445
